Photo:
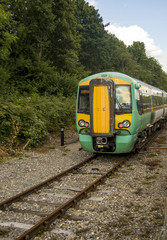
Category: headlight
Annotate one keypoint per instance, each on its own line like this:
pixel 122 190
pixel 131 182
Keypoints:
pixel 82 123
pixel 124 124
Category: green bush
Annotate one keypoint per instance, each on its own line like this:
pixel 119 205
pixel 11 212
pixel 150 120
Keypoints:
pixel 32 117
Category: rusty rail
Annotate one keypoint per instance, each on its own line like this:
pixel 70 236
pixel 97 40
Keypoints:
pixel 18 197
pixel 157 148
pixel 46 222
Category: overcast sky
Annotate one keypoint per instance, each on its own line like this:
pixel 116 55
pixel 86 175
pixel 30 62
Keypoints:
pixel 137 20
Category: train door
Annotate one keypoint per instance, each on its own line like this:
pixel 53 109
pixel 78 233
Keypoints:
pixel 102 107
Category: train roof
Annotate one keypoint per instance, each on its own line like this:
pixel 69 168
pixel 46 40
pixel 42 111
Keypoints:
pixel 120 76
pixel 109 75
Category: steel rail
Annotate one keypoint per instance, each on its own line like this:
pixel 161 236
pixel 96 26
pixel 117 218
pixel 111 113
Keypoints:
pixel 46 222
pixel 157 148
pixel 4 204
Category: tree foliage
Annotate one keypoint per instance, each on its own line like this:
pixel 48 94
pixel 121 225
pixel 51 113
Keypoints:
pixel 46 47
pixel 6 40
pixel 150 70
pixel 64 41
pixel 94 53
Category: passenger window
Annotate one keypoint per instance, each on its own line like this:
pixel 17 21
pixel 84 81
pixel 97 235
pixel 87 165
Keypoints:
pixel 154 101
pixel 146 101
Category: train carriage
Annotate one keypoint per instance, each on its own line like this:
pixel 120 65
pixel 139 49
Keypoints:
pixel 115 112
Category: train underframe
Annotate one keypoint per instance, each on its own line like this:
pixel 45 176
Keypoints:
pixel 146 133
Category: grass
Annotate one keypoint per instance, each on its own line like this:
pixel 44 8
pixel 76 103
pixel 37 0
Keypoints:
pixel 27 155
pixel 82 230
pixel 128 164
pixel 5 159
pixel 145 182
pixel 151 155
pixel 151 177
pixel 153 162
pixel 51 147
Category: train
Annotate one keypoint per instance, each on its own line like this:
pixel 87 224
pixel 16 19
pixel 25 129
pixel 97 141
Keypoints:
pixel 115 113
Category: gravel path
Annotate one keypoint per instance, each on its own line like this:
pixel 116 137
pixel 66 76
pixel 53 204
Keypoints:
pixel 131 202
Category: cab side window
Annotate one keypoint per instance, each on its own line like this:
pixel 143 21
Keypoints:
pixel 83 103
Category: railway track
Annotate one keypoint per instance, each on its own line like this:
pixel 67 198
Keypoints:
pixel 29 191
pixel 81 178
pixel 87 175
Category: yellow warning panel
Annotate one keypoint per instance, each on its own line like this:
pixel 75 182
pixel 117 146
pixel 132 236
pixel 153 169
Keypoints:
pixel 101 119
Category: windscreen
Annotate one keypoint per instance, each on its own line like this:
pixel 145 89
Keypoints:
pixel 122 103
pixel 123 99
pixel 83 100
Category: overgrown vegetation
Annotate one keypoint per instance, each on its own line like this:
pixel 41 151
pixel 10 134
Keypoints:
pixel 32 117
pixel 46 47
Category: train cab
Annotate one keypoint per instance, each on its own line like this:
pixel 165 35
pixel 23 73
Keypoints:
pixel 104 114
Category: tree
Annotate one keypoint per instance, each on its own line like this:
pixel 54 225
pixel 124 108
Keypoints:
pixel 6 40
pixel 65 40
pixel 94 53
pixel 138 52
pixel 150 70
pixel 34 23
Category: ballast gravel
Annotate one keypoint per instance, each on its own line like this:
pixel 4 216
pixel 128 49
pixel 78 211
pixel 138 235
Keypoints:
pixel 129 205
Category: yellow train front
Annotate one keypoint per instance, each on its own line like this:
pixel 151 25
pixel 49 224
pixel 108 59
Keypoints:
pixel 108 115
